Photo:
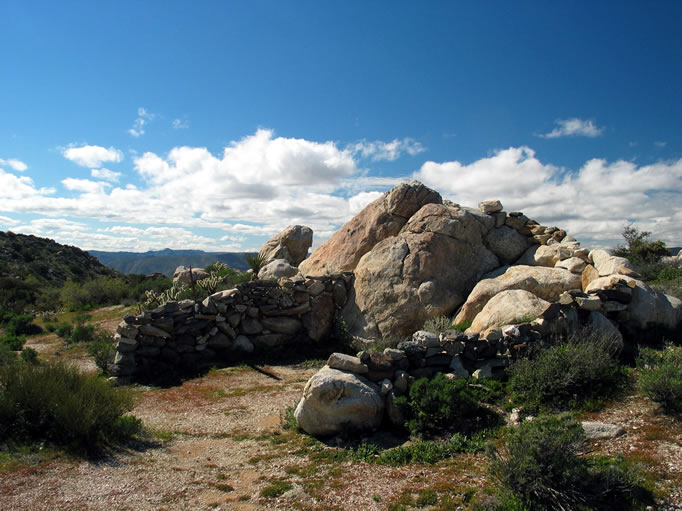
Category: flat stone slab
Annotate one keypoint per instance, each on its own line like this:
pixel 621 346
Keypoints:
pixel 345 362
pixel 600 430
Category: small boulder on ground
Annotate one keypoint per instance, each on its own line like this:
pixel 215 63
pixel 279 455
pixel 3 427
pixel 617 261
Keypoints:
pixel 334 401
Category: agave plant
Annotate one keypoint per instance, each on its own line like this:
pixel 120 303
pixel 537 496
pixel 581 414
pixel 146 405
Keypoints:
pixel 255 262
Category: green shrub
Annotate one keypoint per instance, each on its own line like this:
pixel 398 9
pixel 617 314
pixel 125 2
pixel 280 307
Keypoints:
pixel 13 342
pixel 29 355
pixel 64 330
pixel 22 324
pixel 102 349
pixel 57 403
pixel 7 354
pixel 91 293
pixel 639 249
pixel 542 466
pixel 567 374
pixel 255 262
pixel 660 376
pixel 462 326
pixel 440 404
pixel 430 452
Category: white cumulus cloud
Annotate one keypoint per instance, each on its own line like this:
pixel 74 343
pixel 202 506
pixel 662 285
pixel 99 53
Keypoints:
pixel 574 128
pixel 14 164
pixel 179 124
pixel 388 151
pixel 106 174
pixel 592 203
pixel 92 155
pixel 84 185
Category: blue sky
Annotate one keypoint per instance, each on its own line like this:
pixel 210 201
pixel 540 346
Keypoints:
pixel 213 125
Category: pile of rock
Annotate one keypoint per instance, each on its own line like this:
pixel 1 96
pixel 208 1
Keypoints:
pixel 254 315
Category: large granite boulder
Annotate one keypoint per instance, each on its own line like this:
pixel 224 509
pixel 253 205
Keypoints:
pixel 334 401
pixel 426 270
pixel 508 308
pixel 291 244
pixel 381 219
pixel 545 283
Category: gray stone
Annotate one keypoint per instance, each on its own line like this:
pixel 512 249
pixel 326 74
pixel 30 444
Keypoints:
pixel 599 430
pixel 277 269
pixel 334 401
pixel 251 326
pixel 490 206
pixel 394 354
pixel 457 368
pixel 282 324
pixel 345 362
pixel 426 339
pixel 316 288
pixel 506 243
pixel 242 343
pixel 590 303
pixel 153 331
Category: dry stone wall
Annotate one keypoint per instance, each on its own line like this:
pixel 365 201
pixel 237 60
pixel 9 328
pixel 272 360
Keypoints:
pixel 252 317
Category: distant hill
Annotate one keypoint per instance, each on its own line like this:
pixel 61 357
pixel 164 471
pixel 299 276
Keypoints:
pixel 166 261
pixel 23 256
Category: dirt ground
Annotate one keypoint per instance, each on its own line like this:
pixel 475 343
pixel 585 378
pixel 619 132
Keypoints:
pixel 217 442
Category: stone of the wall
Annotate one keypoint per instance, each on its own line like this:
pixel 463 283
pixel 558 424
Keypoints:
pixel 256 315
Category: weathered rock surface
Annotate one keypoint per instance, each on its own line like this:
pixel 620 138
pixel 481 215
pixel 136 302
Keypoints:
pixel 277 269
pixel 291 244
pixel 606 264
pixel 335 400
pixel 545 283
pixel 424 271
pixel 508 308
pixel 186 277
pixel 381 219
pixel 596 430
pixel 506 243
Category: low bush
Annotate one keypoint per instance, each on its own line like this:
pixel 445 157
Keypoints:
pixel 437 324
pixel 29 355
pixel 57 403
pixel 660 376
pixel 102 349
pixel 440 404
pixel 22 324
pixel 542 468
pixel 13 342
pixel 568 374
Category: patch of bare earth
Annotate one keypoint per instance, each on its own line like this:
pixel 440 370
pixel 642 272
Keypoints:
pixel 652 439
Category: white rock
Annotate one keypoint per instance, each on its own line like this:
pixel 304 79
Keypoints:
pixel 334 400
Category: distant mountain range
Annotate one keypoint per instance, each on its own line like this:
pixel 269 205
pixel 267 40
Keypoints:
pixel 166 261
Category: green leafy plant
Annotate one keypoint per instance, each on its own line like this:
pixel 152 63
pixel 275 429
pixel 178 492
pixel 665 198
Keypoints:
pixel 29 355
pixel 639 249
pixel 566 374
pixel 102 349
pixel 660 376
pixel 462 326
pixel 543 467
pixel 440 404
pixel 56 402
pixel 255 262
pixel 13 342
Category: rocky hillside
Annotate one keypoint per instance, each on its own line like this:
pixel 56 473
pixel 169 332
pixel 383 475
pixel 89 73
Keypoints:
pixel 45 260
pixel 166 261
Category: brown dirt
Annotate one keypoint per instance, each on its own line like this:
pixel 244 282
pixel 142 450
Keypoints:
pixel 223 443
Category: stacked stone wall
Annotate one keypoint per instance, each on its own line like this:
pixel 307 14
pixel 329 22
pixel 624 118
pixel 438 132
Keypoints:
pixel 254 316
